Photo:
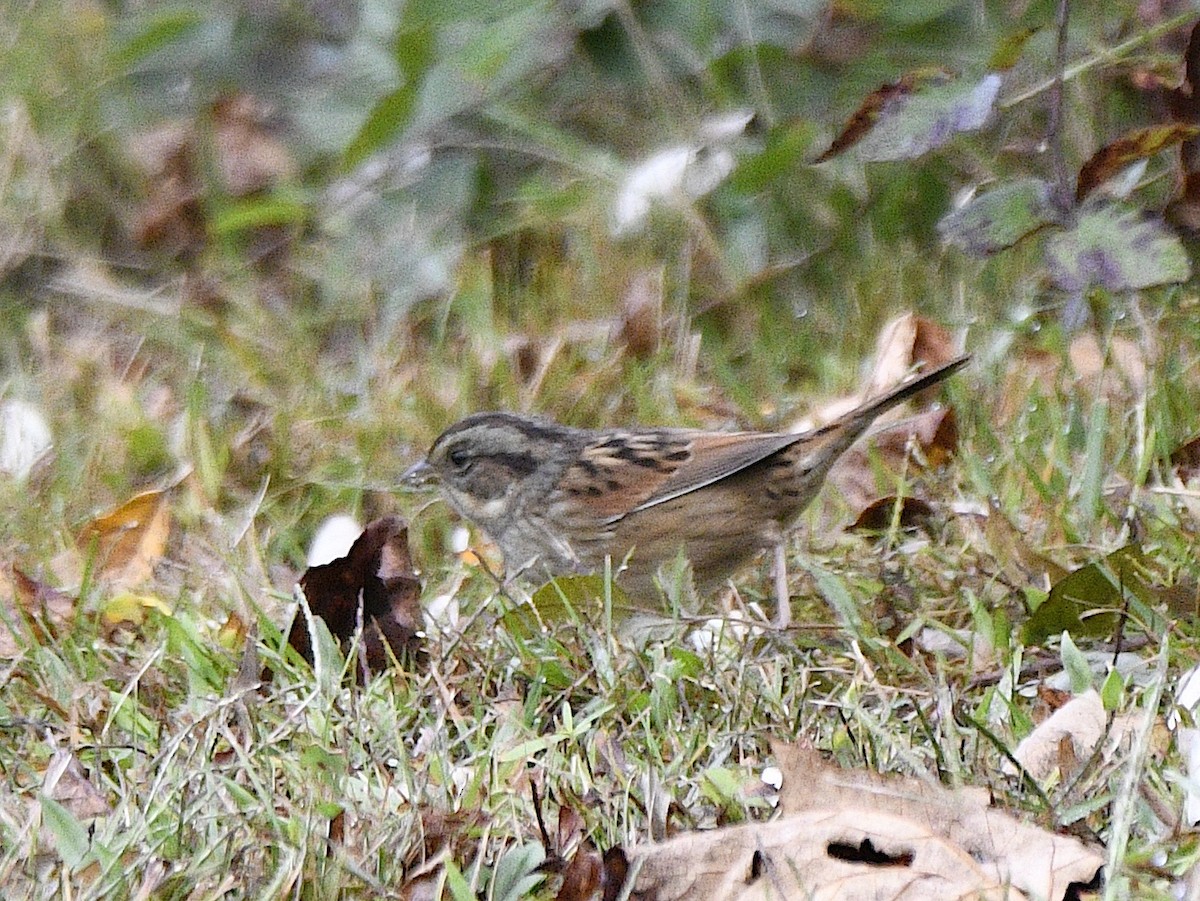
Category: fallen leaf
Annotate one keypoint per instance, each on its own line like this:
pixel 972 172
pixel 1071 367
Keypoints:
pixel 1010 852
pixel 129 540
pixel 821 854
pixel 934 433
pixel 373 585
pixel 931 437
pixel 904 342
pixel 171 217
pixel 1089 600
pixel 580 862
pixel 66 782
pixel 46 606
pixel 247 161
pixel 25 438
pixel 1066 737
pixel 129 610
pixel 878 515
pixel 1185 460
pixel 333 539
pixel 1012 550
pixel 24 601
pixel 232 634
pixel 1132 147
pixel 883 100
pixel 957 644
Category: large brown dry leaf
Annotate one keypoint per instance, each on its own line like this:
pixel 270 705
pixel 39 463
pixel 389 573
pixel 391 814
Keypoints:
pixel 1040 863
pixel 822 854
pixel 129 540
pixel 373 585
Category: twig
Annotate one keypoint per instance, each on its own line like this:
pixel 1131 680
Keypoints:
pixel 1054 130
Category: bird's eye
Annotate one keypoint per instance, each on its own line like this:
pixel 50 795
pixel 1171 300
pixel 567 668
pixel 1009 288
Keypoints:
pixel 459 458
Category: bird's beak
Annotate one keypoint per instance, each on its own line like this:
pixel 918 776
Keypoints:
pixel 418 475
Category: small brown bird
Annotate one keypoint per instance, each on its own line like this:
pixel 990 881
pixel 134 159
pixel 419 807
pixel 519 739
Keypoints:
pixel 562 499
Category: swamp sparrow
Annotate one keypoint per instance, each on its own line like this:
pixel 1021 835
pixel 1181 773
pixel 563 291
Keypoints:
pixel 562 499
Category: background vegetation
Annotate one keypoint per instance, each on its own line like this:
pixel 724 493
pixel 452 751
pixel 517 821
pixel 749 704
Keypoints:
pixel 256 255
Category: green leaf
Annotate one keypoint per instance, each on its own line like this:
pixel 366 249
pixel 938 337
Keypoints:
pixel 384 123
pixel 787 147
pixel 449 12
pixel 1000 218
pixel 515 876
pixel 414 52
pixel 835 592
pixel 1112 690
pixel 1009 50
pixel 460 889
pixel 564 597
pixel 924 121
pixel 1095 464
pixel 687 664
pixel 70 836
pixel 162 27
pixel 721 785
pixel 1116 248
pixel 329 809
pixel 242 797
pixel 257 212
pixel 328 662
pixel 1087 601
pixel 1075 665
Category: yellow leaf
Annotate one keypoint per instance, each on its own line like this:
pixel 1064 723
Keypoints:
pixel 232 634
pixel 128 609
pixel 129 540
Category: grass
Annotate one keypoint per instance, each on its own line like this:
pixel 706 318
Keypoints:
pixel 313 788
pixel 140 757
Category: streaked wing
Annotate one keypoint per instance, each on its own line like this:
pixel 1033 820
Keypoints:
pixel 621 470
pixel 715 456
pixel 624 472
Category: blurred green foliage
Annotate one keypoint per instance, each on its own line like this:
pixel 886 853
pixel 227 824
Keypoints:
pixel 422 132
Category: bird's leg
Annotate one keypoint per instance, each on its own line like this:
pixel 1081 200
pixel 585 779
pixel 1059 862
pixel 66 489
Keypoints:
pixel 783 599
